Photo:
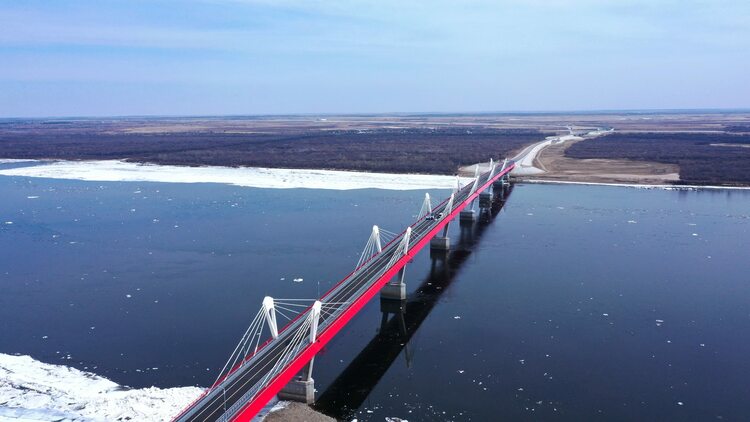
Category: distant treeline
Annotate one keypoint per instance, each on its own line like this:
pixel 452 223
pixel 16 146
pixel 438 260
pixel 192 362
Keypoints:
pixel 439 151
pixel 737 128
pixel 700 162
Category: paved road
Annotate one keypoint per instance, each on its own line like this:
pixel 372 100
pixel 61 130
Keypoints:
pixel 252 376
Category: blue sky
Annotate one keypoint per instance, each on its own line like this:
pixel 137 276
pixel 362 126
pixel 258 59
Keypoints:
pixel 187 57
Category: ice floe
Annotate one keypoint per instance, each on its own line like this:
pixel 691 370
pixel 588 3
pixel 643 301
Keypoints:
pixel 36 391
pixel 117 171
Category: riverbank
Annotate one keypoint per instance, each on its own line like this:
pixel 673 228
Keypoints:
pixel 31 390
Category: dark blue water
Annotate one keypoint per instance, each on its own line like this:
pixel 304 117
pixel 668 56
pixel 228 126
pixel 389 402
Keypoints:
pixel 573 303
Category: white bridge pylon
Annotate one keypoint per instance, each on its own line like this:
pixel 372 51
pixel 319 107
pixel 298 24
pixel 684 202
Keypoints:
pixel 492 170
pixel 402 249
pixel 426 207
pixel 270 313
pixel 476 179
pixel 374 244
pixel 267 316
pixel 449 205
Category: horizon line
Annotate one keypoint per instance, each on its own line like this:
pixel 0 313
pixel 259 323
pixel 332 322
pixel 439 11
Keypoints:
pixel 395 113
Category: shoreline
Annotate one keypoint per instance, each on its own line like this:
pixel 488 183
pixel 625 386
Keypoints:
pixel 275 178
pixel 39 391
pixel 35 390
pixel 635 185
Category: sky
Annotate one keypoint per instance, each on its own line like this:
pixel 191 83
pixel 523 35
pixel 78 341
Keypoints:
pixel 218 57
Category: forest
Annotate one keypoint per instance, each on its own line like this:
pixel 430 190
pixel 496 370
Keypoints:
pixel 436 151
pixel 704 158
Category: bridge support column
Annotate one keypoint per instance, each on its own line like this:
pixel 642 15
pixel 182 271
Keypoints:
pixel 439 247
pixel 485 199
pixel 467 216
pixel 395 290
pixel 300 390
pixel 440 243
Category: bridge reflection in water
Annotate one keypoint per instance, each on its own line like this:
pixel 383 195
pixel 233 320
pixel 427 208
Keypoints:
pixel 351 388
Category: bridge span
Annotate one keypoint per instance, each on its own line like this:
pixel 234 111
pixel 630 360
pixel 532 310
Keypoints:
pixel 256 372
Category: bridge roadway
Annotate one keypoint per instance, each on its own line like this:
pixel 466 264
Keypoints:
pixel 248 384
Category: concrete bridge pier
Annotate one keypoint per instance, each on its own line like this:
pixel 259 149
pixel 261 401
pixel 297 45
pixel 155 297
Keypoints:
pixel 302 388
pixel 506 184
pixel 467 216
pixel 439 247
pixel 498 188
pixel 485 199
pixel 395 290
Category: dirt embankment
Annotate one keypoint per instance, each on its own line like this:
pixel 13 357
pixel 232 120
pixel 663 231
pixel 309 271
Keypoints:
pixel 297 412
pixel 557 167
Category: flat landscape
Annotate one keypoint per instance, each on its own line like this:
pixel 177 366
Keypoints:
pixel 697 148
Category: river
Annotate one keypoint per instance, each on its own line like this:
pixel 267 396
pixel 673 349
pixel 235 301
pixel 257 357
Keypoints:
pixel 572 303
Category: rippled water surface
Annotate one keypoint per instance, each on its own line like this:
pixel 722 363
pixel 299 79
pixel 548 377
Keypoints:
pixel 572 303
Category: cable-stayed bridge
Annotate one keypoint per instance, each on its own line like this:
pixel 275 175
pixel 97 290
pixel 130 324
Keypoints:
pixel 267 358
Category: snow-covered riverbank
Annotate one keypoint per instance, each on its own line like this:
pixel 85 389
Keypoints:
pixel 116 171
pixel 35 391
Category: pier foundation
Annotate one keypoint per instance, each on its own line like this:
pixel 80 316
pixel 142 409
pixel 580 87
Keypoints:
pixel 485 199
pixel 467 216
pixel 299 390
pixel 395 290
pixel 439 247
pixel 440 243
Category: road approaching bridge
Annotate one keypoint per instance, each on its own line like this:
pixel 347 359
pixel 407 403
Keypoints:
pixel 256 372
